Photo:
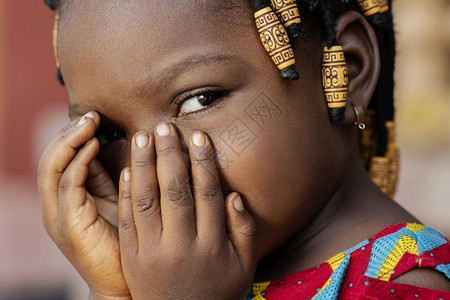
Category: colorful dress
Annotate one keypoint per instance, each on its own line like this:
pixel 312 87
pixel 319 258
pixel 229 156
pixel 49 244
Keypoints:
pixel 366 270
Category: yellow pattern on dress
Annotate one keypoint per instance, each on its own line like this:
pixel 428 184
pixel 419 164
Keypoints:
pixel 404 245
pixel 258 288
pixel 415 227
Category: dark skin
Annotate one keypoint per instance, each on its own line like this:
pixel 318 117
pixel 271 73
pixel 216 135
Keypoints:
pixel 300 181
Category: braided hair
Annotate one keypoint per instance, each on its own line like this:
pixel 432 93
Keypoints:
pixel 377 141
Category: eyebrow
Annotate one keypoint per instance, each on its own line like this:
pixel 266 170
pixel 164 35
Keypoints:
pixel 174 71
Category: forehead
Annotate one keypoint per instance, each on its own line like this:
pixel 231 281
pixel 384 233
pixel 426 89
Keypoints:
pixel 123 39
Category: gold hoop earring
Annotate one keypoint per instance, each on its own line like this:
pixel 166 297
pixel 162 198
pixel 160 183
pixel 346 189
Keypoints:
pixel 360 117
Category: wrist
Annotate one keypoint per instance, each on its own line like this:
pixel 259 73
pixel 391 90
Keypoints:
pixel 93 295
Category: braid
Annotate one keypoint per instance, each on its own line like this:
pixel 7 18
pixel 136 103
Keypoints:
pixel 382 154
pixel 329 20
pixel 312 4
pixel 53 4
pixel 383 98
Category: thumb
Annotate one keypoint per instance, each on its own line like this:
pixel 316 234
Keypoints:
pixel 241 231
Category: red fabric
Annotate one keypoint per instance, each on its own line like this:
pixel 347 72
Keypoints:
pixel 366 271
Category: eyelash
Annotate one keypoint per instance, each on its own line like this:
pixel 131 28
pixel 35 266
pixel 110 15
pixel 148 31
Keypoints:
pixel 207 97
pixel 108 135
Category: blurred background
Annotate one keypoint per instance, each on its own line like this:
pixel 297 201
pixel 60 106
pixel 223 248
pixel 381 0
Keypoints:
pixel 33 105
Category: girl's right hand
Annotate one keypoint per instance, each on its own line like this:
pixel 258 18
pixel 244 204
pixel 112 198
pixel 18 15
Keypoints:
pixel 70 213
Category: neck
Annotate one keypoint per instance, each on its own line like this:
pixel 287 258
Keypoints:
pixel 353 213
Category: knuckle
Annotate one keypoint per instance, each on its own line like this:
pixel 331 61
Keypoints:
pixel 179 195
pixel 126 224
pixel 144 203
pixel 63 136
pixel 142 162
pixel 41 173
pixel 202 158
pixel 179 191
pixel 65 185
pixel 249 230
pixel 125 195
pixel 168 150
pixel 209 194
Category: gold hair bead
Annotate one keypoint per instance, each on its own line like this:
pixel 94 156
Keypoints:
pixel 393 154
pixel 369 7
pixel 276 42
pixel 335 77
pixel 384 6
pixel 289 15
pixel 379 172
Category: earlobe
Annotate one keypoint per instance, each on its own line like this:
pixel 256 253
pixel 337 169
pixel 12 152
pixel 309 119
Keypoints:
pixel 360 46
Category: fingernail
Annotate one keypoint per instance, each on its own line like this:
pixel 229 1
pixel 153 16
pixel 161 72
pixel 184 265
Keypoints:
pixel 126 175
pixel 90 114
pixel 82 121
pixel 237 203
pixel 199 139
pixel 163 129
pixel 142 140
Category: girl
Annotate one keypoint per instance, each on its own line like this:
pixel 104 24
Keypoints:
pixel 193 166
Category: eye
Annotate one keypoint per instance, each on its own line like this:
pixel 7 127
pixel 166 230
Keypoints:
pixel 197 100
pixel 109 135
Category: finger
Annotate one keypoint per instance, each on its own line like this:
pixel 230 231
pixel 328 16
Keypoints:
pixel 108 211
pixel 242 231
pixel 209 202
pixel 71 189
pixel 101 186
pixel 144 189
pixel 100 183
pixel 56 158
pixel 127 229
pixel 72 124
pixel 177 206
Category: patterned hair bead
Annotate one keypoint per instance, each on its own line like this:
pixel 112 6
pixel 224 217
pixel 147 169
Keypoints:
pixel 369 7
pixel 275 40
pixel 289 15
pixel 384 6
pixel 335 81
pixel 393 154
pixel 379 172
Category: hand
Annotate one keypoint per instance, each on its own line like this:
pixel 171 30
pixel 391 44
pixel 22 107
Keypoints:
pixel 70 213
pixel 177 243
pixel 102 188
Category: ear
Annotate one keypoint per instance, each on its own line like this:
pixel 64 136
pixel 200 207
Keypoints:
pixel 360 45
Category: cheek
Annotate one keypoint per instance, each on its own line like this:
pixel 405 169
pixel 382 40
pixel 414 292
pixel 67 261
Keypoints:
pixel 276 158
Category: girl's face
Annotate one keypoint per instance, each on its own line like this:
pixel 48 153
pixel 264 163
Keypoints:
pixel 200 65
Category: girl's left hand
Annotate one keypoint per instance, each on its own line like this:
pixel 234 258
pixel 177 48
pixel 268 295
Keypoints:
pixel 178 243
